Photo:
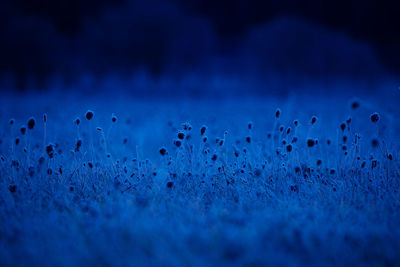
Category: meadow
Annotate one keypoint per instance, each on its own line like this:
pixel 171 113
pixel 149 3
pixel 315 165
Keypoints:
pixel 125 181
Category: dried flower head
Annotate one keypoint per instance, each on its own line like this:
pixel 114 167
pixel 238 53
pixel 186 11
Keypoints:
pixel 163 151
pixel 355 104
pixel 178 142
pixel 374 117
pixel 289 148
pixel 89 115
pixel 374 142
pixel 114 118
pixel 203 129
pixel 310 142
pixel 23 130
pixel 277 113
pixel 313 120
pixel 50 150
pixel 181 135
pixel 12 188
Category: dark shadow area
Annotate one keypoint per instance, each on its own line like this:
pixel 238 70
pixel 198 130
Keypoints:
pixel 280 44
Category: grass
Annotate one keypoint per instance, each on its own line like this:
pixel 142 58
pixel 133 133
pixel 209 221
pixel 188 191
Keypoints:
pixel 241 197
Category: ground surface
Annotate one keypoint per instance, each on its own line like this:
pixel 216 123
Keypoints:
pixel 249 195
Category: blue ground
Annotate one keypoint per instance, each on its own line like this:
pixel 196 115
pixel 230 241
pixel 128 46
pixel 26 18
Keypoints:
pixel 140 184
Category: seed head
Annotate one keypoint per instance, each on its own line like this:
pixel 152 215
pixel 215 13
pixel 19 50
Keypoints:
pixel 178 142
pixel 12 188
pixel 310 142
pixel 313 120
pixel 374 142
pixel 114 118
pixel 78 145
pixel 277 113
pixel 89 115
pixel 186 126
pixel 374 117
pixel 31 123
pixel 44 117
pixel 355 104
pixel 294 188
pixel 289 148
pixel 50 150
pixel 181 135
pixel 23 130
pixel 163 151
pixel 170 184
pixel 203 129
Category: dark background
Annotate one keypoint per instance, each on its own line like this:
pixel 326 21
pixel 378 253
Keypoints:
pixel 42 39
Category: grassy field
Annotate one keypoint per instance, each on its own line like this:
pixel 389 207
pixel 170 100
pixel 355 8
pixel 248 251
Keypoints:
pixel 299 180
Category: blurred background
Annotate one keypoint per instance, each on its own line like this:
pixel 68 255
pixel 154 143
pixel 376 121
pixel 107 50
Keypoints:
pixel 178 47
